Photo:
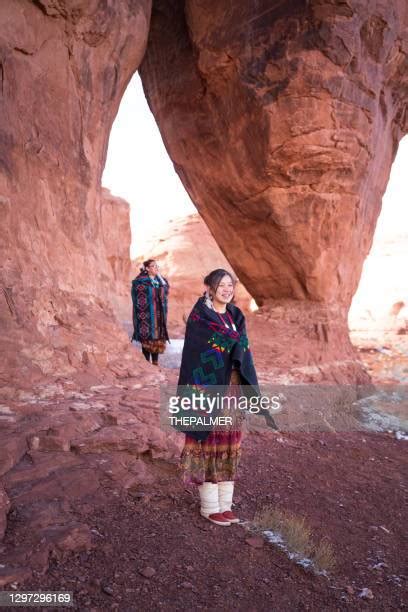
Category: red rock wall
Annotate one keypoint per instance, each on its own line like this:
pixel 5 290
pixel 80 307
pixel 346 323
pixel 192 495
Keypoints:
pixel 63 70
pixel 115 227
pixel 282 120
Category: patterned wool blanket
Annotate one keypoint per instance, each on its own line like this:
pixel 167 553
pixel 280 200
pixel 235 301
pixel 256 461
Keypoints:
pixel 150 303
pixel 210 352
pixel 211 349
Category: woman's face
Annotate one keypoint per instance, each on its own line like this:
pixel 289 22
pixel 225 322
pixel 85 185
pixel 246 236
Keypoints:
pixel 225 290
pixel 153 268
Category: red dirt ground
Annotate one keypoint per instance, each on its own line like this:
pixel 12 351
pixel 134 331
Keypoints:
pixel 350 487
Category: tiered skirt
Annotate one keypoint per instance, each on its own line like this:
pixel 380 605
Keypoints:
pixel 215 459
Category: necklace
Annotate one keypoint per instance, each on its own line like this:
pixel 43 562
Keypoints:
pixel 230 320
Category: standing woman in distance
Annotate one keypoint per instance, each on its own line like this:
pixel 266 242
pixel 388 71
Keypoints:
pixel 150 301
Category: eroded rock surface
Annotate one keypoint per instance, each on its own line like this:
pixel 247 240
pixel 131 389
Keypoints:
pixel 115 228
pixel 63 69
pixel 282 120
pixel 68 449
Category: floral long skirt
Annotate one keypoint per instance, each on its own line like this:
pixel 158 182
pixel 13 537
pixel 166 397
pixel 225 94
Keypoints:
pixel 216 458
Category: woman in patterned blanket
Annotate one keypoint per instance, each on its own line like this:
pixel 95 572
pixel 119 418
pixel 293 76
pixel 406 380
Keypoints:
pixel 149 296
pixel 216 353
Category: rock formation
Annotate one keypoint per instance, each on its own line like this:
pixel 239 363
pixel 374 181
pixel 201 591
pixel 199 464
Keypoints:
pixel 272 114
pixel 63 69
pixel 186 252
pixel 58 453
pixel 282 120
pixel 115 228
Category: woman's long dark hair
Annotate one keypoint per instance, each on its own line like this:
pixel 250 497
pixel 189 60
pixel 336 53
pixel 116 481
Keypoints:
pixel 214 278
pixel 146 263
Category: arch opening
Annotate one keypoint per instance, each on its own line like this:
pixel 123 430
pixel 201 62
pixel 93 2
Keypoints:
pixel 164 222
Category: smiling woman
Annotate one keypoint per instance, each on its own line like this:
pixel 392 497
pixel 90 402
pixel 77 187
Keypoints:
pixel 216 353
pixel 220 290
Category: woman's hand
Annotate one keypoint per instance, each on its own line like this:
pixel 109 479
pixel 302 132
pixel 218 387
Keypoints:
pixel 269 420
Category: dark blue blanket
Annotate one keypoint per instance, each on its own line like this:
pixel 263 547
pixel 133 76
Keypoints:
pixel 210 352
pixel 149 308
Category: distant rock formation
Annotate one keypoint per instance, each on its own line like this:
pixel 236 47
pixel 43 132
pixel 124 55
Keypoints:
pixel 186 252
pixel 380 302
pixel 115 226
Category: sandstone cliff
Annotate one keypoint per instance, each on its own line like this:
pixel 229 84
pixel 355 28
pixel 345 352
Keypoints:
pixel 282 120
pixel 63 70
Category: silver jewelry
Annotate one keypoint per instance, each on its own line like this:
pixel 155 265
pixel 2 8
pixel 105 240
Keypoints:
pixel 208 300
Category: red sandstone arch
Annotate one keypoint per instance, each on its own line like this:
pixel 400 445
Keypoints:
pixel 283 120
pixel 273 118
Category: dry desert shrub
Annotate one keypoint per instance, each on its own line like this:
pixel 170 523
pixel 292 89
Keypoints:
pixel 297 535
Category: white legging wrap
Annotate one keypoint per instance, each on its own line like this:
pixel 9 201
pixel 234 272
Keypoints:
pixel 216 497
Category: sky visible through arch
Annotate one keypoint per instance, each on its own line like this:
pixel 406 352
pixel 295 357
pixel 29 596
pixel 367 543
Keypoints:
pixel 139 169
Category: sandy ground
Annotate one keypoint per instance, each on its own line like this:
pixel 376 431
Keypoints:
pixel 351 489
pixel 152 550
